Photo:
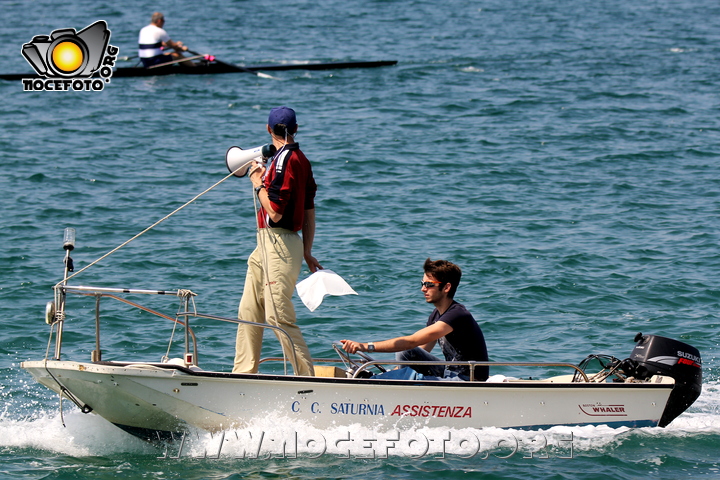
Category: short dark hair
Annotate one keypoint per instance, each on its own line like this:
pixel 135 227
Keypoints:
pixel 445 272
pixel 281 130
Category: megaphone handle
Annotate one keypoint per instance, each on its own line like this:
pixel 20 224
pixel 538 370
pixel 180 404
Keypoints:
pixel 256 167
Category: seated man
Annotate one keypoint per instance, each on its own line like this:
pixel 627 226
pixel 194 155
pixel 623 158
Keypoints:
pixel 153 40
pixel 450 324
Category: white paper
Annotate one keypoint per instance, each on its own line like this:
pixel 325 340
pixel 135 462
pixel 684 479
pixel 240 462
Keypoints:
pixel 314 288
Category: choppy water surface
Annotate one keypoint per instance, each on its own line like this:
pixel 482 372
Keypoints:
pixel 566 157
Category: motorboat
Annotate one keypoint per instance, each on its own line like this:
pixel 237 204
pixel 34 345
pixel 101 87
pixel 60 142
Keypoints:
pixel 158 399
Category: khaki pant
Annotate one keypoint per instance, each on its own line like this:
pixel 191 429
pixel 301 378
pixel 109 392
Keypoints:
pixel 268 298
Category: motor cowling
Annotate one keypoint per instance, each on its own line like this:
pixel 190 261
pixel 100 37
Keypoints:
pixel 655 355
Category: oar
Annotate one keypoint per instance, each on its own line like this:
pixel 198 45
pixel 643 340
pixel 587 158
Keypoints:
pixel 236 68
pixel 180 60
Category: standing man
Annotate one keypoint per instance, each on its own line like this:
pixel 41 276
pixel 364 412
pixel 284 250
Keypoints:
pixel 153 39
pixel 286 193
pixel 450 324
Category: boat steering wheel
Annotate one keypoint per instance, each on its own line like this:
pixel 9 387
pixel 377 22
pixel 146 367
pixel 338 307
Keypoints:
pixel 353 364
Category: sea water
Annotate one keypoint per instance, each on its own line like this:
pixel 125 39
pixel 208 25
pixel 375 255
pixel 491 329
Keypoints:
pixel 564 155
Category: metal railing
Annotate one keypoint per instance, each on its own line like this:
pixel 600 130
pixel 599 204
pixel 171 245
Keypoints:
pixel 470 364
pixel 190 338
pixel 254 324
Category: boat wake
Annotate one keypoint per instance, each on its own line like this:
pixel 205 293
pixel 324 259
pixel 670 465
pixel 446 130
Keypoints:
pixel 81 436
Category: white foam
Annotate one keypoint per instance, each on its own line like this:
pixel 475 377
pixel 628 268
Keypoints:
pixel 703 416
pixel 82 435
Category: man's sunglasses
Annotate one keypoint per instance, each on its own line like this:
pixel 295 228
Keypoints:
pixel 429 284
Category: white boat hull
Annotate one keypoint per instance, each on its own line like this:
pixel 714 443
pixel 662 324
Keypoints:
pixel 161 398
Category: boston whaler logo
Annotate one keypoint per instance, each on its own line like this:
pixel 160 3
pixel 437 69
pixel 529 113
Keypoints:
pixel 67 60
pixel 600 410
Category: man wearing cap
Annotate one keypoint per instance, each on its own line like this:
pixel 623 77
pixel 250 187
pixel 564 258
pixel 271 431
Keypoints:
pixel 286 193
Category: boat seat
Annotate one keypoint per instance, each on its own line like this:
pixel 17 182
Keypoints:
pixel 329 371
pixel 559 379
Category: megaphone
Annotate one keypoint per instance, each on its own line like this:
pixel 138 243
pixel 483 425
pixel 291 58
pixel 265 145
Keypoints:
pixel 238 161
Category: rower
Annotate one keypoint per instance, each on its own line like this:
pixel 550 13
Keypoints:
pixel 153 39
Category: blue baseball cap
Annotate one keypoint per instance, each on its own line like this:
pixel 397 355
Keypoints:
pixel 284 115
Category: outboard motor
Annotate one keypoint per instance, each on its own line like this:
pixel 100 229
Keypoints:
pixel 654 355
